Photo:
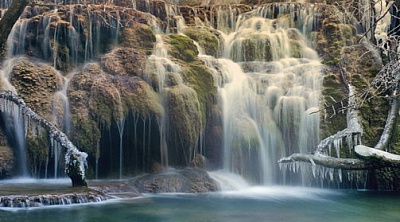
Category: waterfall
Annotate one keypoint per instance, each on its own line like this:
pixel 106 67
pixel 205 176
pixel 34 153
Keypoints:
pixel 15 119
pixel 61 107
pixel 121 125
pixel 269 81
pixel 165 71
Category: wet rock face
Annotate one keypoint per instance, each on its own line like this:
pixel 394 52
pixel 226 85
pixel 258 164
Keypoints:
pixel 36 83
pixel 6 162
pixel 188 180
pixel 72 35
pixel 6 157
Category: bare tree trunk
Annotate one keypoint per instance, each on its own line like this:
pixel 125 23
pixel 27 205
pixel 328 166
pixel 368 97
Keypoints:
pixel 383 143
pixel 75 160
pixel 327 161
pixel 7 22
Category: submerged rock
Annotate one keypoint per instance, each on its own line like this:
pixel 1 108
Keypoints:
pixel 189 180
pixel 22 201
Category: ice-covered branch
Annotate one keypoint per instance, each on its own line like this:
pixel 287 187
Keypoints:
pixel 327 161
pixel 370 158
pixel 75 160
pixel 351 133
pixel 377 156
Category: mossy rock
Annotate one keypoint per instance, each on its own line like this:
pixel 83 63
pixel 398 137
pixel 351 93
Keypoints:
pixel 361 66
pixel 185 123
pixel 207 38
pixel 36 83
pixel 332 38
pixel 193 71
pixel 181 47
pixel 139 97
pixel 295 48
pixel 199 77
pixel 385 179
pixel 60 47
pixel 38 149
pixel 85 134
pixel 105 103
pixel 139 36
pixel 123 61
pixel 7 161
pixel 333 91
pixel 253 48
pixel 395 145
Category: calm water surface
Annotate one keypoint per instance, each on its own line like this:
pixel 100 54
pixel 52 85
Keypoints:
pixel 252 204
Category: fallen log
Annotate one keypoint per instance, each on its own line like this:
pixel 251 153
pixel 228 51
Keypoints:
pixel 327 161
pixel 369 158
pixel 374 155
pixel 75 160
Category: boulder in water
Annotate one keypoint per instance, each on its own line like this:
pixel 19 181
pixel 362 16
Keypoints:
pixel 189 180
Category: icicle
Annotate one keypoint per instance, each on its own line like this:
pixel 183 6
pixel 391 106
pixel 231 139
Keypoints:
pixel 144 144
pixel 120 125
pixel 313 166
pixel 338 143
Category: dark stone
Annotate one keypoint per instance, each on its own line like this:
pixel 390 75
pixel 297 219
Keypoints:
pixel 74 171
pixel 187 180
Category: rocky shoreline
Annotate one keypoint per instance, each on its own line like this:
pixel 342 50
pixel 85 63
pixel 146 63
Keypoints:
pixel 189 180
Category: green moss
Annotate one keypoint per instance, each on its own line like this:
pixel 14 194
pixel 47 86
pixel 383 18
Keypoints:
pixel 361 66
pixel 142 100
pixel 206 39
pixel 347 33
pixel 256 48
pixel 359 82
pixel 63 61
pixel 185 121
pixel 105 103
pixel 295 48
pixel 373 114
pixel 333 92
pixel 37 149
pixel 201 80
pixel 85 134
pixel 331 40
pixel 182 48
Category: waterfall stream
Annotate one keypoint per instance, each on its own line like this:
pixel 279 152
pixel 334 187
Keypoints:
pixel 269 80
pixel 265 68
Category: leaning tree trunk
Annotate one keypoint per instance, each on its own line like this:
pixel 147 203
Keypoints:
pixel 75 160
pixel 391 121
pixel 7 22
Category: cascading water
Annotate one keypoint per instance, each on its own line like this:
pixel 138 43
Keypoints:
pixel 16 122
pixel 61 104
pixel 121 125
pixel 269 80
pixel 267 74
